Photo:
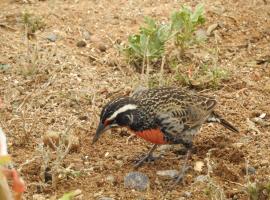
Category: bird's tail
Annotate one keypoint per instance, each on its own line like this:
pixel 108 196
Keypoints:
pixel 214 117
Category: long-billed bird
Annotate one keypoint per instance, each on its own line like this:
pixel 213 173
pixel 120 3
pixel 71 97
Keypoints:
pixel 161 116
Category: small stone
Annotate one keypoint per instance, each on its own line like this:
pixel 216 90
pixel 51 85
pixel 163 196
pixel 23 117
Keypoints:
pixel 52 37
pixel 83 118
pixel 187 194
pixel 119 163
pixel 201 35
pixel 38 197
pixel 86 35
pixel 198 166
pixel 137 181
pixel 111 179
pixel 201 178
pixel 102 47
pixel 211 28
pixel 4 67
pixel 106 198
pixel 181 198
pixel 264 162
pixel 162 148
pixel 251 170
pixel 168 173
pixel 81 44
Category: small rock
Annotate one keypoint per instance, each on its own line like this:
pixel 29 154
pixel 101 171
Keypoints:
pixel 137 181
pixel 4 66
pixel 211 28
pixel 86 35
pixel 38 197
pixel 251 170
pixel 201 178
pixel 187 194
pixel 238 144
pixel 264 162
pixel 198 166
pixel 111 179
pixel 181 198
pixel 106 198
pixel 162 148
pixel 102 47
pixel 168 173
pixel 81 44
pixel 106 154
pixel 119 163
pixel 52 37
pixel 83 118
pixel 201 35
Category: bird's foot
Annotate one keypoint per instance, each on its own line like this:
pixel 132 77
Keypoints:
pixel 180 177
pixel 145 159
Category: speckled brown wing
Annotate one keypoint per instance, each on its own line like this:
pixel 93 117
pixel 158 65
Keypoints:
pixel 189 116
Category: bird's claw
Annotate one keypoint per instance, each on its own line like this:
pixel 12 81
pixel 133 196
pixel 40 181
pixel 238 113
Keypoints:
pixel 179 177
pixel 145 159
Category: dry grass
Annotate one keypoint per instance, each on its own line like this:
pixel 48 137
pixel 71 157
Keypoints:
pixel 45 84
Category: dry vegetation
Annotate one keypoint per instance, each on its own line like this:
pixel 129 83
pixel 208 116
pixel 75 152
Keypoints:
pixel 60 63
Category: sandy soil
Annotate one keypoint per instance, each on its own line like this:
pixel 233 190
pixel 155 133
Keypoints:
pixel 51 86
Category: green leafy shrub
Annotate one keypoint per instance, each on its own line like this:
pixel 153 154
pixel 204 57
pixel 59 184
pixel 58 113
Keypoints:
pixel 184 23
pixel 149 43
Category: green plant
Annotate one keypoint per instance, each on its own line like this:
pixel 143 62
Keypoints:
pixel 184 23
pixel 149 43
pixel 32 24
pixel 258 191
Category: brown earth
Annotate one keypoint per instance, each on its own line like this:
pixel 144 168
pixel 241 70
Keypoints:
pixel 52 86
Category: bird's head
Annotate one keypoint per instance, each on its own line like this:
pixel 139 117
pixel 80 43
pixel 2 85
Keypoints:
pixel 116 113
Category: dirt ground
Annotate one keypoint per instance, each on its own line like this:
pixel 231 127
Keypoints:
pixel 56 86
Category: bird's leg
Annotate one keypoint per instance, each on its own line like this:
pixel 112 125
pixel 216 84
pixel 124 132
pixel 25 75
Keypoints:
pixel 184 168
pixel 148 156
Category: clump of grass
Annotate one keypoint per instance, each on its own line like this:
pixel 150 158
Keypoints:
pixel 32 24
pixel 257 191
pixel 149 44
pixel 201 77
pixel 55 148
pixel 184 23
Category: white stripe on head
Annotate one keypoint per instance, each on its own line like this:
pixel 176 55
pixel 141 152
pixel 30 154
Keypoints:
pixel 121 110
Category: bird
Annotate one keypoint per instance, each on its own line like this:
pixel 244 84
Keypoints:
pixel 165 115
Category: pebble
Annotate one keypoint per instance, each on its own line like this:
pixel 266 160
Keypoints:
pixel 81 44
pixel 251 170
pixel 264 162
pixel 52 37
pixel 119 163
pixel 201 35
pixel 162 148
pixel 187 194
pixel 86 35
pixel 168 173
pixel 38 197
pixel 137 181
pixel 102 47
pixel 211 28
pixel 111 179
pixel 106 198
pixel 201 178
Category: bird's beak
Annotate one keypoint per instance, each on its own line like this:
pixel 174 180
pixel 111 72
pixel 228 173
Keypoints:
pixel 101 129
